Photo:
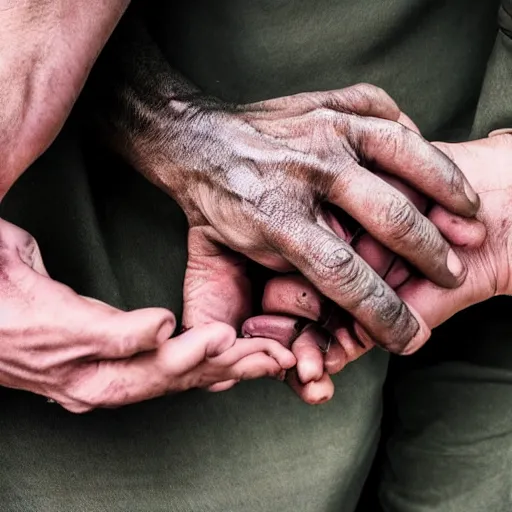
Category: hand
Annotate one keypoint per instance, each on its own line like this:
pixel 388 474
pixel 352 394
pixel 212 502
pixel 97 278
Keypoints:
pixel 255 179
pixel 85 354
pixel 486 163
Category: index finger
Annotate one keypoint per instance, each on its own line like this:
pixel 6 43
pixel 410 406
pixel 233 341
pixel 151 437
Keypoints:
pixel 334 268
pixel 406 154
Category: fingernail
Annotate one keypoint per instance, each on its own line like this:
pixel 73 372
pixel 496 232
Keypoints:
pixel 454 264
pixel 165 332
pixel 471 195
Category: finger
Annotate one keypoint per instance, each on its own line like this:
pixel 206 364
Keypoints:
pixel 362 99
pixel 336 358
pixel 186 351
pixel 254 366
pixel 280 328
pixel 346 351
pixel 293 295
pixel 406 154
pixel 434 304
pixel 307 342
pixel 394 221
pixel 365 338
pixel 152 374
pixel 332 266
pixel 222 386
pixel 468 233
pixel 126 334
pixel 309 350
pixel 216 286
pixel 313 393
pixel 245 347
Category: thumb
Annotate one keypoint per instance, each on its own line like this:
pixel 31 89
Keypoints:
pixel 435 305
pixel 189 349
pixel 216 285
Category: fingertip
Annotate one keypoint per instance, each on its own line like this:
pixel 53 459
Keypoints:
pixel 288 360
pixel 459 231
pixel 421 335
pixel 166 331
pixel 279 328
pixel 222 335
pixel 313 393
pixel 222 386
pixel 163 320
pixel 457 269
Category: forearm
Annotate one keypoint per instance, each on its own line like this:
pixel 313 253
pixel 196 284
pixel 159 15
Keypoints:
pixel 47 49
pixel 145 108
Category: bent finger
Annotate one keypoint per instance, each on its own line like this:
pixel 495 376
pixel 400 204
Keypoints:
pixel 392 219
pixel 309 349
pixel 406 154
pixel 313 393
pixel 245 347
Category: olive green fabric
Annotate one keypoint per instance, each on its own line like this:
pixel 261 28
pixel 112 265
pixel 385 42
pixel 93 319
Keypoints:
pixel 450 448
pixel 109 234
pixel 430 55
pixel 495 105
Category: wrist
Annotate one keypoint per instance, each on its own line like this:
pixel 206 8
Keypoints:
pixel 177 138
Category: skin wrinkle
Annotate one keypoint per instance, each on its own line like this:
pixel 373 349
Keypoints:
pixel 270 166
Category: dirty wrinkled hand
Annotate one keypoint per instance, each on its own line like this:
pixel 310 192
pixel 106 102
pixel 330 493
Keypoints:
pixel 256 178
pixel 486 163
pixel 85 354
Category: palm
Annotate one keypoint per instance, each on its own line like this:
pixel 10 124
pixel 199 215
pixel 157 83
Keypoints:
pixel 216 286
pixel 486 163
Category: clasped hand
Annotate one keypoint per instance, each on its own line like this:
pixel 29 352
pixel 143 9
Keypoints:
pixel 85 354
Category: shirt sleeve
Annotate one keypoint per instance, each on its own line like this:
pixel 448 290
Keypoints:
pixel 494 109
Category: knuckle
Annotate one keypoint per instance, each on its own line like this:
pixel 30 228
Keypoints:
pixel 368 89
pixel 326 114
pixel 393 137
pixel 400 217
pixel 400 326
pixel 392 311
pixel 223 332
pixel 342 270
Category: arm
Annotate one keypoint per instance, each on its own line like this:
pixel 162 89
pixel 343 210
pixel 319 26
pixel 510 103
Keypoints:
pixel 255 177
pixel 47 49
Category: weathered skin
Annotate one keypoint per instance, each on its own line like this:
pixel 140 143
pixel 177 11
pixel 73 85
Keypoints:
pixel 486 163
pixel 255 178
